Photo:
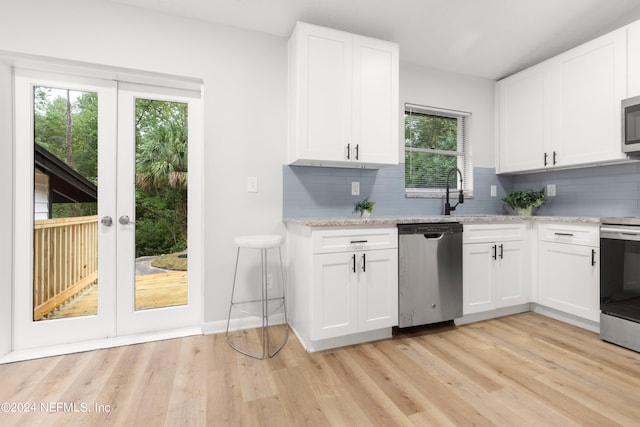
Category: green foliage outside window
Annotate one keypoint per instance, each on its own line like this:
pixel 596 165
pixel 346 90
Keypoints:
pixel 431 145
pixel 161 177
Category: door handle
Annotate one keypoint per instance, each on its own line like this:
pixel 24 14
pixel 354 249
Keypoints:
pixel 107 221
pixel 124 220
pixel 354 262
pixel 357 151
pixel 593 257
pixel 545 159
pixel 364 262
pixel 495 251
pixel 501 251
pixel 348 151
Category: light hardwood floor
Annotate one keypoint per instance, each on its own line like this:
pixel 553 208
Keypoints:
pixel 522 370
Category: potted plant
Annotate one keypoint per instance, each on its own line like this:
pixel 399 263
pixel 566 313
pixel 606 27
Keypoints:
pixel 524 201
pixel 364 207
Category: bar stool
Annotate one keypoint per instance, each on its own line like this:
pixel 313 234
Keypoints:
pixel 263 243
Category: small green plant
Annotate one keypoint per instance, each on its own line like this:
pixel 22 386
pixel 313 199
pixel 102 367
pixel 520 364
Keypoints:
pixel 522 200
pixel 364 205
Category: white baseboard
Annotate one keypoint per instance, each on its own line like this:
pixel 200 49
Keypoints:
pixel 330 343
pixel 486 315
pixel 80 347
pixel 589 325
pixel 220 326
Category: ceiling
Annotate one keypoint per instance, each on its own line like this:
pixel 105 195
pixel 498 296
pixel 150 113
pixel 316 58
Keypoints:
pixel 484 38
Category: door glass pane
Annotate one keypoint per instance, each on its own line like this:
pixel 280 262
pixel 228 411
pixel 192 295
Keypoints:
pixel 161 203
pixel 65 235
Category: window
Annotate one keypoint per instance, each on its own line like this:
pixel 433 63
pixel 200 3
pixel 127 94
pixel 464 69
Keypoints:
pixel 436 142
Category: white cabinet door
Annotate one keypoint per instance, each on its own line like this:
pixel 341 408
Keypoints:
pixel 354 292
pixel 633 59
pixel 477 282
pixel 375 101
pixel 522 102
pixel 569 279
pixel 565 112
pixel 343 99
pixel 495 275
pixel 377 289
pixel 588 84
pixel 323 88
pixel 334 295
pixel 511 274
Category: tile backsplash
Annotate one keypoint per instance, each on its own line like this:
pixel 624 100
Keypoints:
pixel 326 192
pixel 612 190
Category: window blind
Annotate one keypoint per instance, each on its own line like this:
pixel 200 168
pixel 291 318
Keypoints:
pixel 436 142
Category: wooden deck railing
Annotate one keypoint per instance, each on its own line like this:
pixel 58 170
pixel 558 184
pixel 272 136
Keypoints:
pixel 65 260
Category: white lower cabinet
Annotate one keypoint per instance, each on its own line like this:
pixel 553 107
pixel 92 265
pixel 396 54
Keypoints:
pixel 569 269
pixel 354 292
pixel 343 283
pixel 496 267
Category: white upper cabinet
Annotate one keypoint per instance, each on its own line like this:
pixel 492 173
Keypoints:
pixel 564 112
pixel 589 83
pixel 523 119
pixel 343 99
pixel 633 59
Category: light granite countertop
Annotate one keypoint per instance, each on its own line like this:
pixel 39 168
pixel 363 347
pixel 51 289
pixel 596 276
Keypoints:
pixel 465 219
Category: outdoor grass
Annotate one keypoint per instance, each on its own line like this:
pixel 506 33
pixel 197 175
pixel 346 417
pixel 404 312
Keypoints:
pixel 171 262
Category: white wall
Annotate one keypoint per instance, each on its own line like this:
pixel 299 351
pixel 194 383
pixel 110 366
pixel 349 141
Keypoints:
pixel 6 217
pixel 433 88
pixel 244 76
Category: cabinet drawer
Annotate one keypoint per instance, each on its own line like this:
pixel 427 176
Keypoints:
pixel 576 234
pixel 487 233
pixel 327 241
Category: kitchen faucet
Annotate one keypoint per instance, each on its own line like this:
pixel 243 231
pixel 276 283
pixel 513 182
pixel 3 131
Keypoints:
pixel 447 206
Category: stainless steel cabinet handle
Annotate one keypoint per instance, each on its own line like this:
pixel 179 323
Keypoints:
pixel 364 262
pixel 545 159
pixel 107 221
pixel 554 158
pixel 564 234
pixel 593 257
pixel 357 151
pixel 124 220
pixel 501 251
pixel 354 262
pixel 495 252
pixel 348 151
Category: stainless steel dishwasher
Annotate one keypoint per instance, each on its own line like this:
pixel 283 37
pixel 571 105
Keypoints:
pixel 430 273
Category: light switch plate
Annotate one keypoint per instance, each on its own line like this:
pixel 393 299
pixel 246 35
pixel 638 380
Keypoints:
pixel 355 188
pixel 252 184
pixel 494 191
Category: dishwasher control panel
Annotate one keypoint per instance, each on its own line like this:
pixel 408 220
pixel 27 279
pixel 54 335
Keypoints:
pixel 429 228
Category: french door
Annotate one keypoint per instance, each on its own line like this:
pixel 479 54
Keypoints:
pixel 102 196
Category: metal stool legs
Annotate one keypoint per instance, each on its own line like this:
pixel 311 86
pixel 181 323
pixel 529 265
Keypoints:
pixel 264 303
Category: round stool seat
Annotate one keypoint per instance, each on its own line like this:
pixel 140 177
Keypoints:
pixel 262 241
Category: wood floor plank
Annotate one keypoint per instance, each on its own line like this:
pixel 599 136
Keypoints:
pixel 521 370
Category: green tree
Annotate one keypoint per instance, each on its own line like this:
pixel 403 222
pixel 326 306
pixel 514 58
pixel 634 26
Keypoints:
pixel 161 176
pixel 66 124
pixel 429 136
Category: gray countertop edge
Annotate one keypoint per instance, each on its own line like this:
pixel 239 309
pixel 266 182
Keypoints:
pixel 465 219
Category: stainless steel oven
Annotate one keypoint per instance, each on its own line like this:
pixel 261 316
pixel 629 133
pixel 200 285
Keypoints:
pixel 620 281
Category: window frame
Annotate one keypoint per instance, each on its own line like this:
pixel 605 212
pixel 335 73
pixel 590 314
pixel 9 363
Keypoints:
pixel 463 152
